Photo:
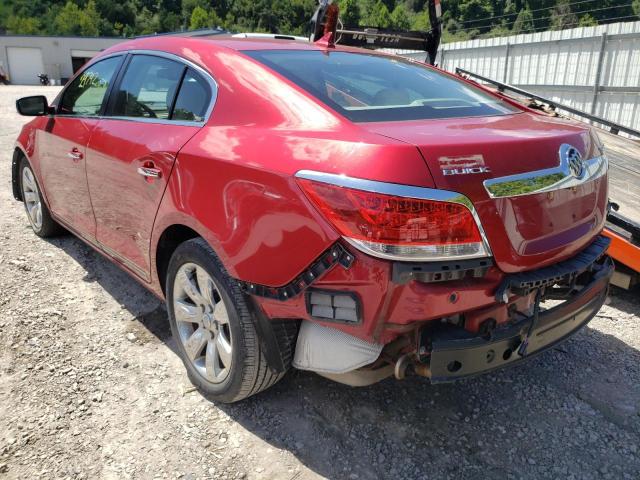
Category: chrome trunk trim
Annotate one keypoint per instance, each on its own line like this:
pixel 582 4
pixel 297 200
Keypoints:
pixel 571 171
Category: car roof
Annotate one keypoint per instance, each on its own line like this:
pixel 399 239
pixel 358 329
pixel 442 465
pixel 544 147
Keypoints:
pixel 171 43
pixel 274 36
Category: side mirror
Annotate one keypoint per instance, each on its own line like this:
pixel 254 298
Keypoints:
pixel 33 106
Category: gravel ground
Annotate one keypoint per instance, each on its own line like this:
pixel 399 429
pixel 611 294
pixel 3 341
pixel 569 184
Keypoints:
pixel 91 387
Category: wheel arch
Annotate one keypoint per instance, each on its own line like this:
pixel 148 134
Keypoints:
pixel 170 238
pixel 18 155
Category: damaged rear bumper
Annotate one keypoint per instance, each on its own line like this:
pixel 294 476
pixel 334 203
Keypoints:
pixel 458 354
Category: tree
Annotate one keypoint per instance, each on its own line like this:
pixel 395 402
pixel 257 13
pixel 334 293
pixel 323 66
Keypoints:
pixel 89 20
pixel 199 18
pixel 147 23
pixel 123 12
pixel 23 25
pixel 188 6
pixel 400 18
pixel 636 7
pixel 376 15
pixel 463 19
pixel 169 21
pixel 474 14
pixel 587 21
pixel 350 12
pixel 510 13
pixel 421 21
pixel 562 16
pixel 524 22
pixel 66 22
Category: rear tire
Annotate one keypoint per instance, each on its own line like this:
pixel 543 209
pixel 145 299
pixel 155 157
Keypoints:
pixel 37 211
pixel 214 330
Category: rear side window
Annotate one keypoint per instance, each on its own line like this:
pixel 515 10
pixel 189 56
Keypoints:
pixel 148 88
pixel 373 88
pixel 193 99
pixel 87 91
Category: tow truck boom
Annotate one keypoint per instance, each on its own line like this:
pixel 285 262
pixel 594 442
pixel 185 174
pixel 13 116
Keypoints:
pixel 326 21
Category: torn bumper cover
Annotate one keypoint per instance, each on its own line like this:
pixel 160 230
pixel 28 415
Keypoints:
pixel 456 354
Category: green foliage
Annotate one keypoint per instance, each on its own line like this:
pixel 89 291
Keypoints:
pixel 66 21
pixel 562 16
pixel 475 13
pixel 587 21
pixel 199 18
pixel 375 14
pixel 462 20
pixel 421 21
pixel 22 25
pixel 524 22
pixel 350 12
pixel 400 18
pixel 89 20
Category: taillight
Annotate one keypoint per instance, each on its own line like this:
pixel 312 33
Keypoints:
pixel 396 221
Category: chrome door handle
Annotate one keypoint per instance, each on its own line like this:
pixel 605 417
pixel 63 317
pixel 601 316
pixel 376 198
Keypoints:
pixel 75 155
pixel 149 172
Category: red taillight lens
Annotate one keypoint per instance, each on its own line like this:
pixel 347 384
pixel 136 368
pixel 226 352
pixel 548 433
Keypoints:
pixel 393 226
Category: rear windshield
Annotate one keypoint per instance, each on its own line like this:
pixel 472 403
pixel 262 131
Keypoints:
pixel 373 88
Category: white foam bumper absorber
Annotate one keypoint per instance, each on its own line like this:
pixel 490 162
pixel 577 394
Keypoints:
pixel 324 349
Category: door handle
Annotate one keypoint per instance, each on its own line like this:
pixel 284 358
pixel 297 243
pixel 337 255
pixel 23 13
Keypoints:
pixel 149 172
pixel 75 154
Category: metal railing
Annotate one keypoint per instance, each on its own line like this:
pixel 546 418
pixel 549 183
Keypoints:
pixel 614 128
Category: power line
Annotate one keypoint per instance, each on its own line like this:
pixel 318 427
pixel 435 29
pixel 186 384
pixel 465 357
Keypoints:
pixel 550 17
pixel 535 10
pixel 564 27
pixel 627 17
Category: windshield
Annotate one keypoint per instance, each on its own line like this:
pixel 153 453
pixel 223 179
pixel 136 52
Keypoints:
pixel 374 88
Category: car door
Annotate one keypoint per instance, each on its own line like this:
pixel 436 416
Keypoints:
pixel 62 145
pixel 157 105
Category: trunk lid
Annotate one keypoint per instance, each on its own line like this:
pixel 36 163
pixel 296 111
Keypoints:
pixel 524 231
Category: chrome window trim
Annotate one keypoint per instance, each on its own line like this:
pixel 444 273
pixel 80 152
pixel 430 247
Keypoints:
pixel 406 191
pixel 162 121
pixel 213 85
pixel 548 179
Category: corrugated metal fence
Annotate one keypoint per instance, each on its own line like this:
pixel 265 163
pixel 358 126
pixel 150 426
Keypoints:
pixel 593 69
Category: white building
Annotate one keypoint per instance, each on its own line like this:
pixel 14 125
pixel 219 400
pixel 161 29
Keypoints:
pixel 24 57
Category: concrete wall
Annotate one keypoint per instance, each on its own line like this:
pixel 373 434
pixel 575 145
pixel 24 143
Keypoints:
pixel 56 51
pixel 593 69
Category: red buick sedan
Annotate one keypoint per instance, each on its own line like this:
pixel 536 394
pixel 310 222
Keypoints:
pixel 347 212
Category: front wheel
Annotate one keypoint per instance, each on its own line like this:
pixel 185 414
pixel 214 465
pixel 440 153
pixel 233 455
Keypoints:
pixel 213 326
pixel 39 216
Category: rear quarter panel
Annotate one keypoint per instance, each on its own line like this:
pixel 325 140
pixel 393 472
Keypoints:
pixel 236 187
pixel 234 180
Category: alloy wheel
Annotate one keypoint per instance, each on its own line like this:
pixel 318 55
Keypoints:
pixel 202 321
pixel 31 198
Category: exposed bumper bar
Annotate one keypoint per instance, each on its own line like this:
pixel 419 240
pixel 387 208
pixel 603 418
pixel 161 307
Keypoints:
pixel 566 271
pixel 463 356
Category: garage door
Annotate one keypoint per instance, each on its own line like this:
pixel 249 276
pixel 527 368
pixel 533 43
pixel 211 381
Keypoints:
pixel 24 65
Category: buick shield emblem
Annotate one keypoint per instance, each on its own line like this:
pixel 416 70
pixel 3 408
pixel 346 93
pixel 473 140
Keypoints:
pixel 571 158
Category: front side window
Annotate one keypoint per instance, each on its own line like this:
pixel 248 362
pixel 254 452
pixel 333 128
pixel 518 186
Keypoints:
pixel 87 91
pixel 148 88
pixel 373 88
